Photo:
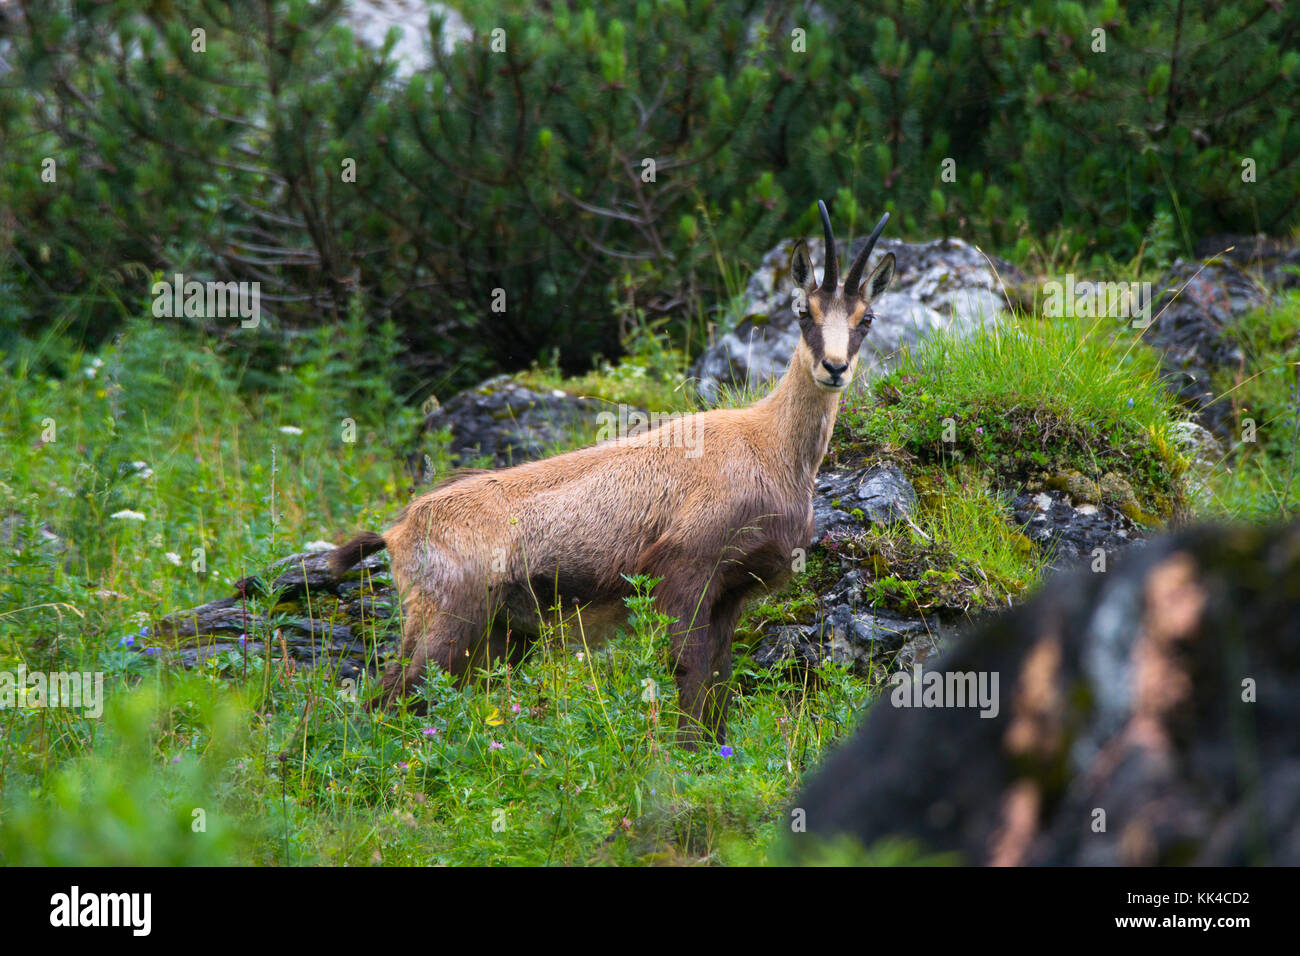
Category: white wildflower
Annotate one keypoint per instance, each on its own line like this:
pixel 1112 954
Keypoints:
pixel 128 515
pixel 291 429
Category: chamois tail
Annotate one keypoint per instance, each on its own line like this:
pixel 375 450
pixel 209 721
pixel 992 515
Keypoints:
pixel 343 557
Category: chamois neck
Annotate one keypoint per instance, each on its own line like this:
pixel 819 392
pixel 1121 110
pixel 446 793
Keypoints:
pixel 802 416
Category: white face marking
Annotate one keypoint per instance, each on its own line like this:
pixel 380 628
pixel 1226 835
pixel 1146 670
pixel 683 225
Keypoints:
pixel 835 342
pixel 835 333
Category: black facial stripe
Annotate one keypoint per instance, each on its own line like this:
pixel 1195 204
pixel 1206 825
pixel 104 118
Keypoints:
pixel 812 334
pixel 857 335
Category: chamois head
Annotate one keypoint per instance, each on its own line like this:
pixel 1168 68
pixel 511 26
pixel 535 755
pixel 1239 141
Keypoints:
pixel 835 318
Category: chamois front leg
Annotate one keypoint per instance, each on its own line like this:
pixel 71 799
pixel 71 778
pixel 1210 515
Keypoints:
pixel 717 697
pixel 690 660
pixel 701 660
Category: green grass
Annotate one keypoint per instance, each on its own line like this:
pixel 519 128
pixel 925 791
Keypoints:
pixel 1032 403
pixel 652 376
pixel 286 768
pixel 960 555
pixel 564 759
pixel 1263 480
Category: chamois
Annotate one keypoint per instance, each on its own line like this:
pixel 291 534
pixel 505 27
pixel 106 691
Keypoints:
pixel 715 504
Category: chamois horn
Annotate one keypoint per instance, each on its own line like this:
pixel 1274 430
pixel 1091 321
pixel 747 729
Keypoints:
pixel 830 274
pixel 855 271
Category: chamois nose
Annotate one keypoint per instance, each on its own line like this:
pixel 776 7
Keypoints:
pixel 835 370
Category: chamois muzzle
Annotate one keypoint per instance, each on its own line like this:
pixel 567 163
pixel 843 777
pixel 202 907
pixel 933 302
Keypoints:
pixel 836 371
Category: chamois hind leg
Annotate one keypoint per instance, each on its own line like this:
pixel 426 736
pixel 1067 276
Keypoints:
pixel 431 637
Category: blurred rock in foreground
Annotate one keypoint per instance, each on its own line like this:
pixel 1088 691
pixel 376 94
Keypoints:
pixel 1161 700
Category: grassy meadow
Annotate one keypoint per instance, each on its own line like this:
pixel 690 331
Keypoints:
pixel 153 473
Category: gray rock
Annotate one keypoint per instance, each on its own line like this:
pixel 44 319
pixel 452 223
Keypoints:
pixel 846 629
pixel 365 596
pixel 1198 443
pixel 1277 261
pixel 945 283
pixel 834 497
pixel 1198 304
pixel 849 632
pixel 789 645
pixel 312 636
pixel 921 649
pixel 886 495
pixel 309 571
pixel 509 423
pixel 370 21
pixel 1071 533
pixel 870 637
pixel 1204 451
pixel 881 494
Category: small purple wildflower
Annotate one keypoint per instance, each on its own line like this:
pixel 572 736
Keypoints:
pixel 494 745
pixel 430 731
pixel 726 750
pixel 514 708
pixel 127 641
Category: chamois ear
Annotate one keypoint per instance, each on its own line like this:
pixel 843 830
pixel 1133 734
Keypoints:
pixel 879 280
pixel 801 266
